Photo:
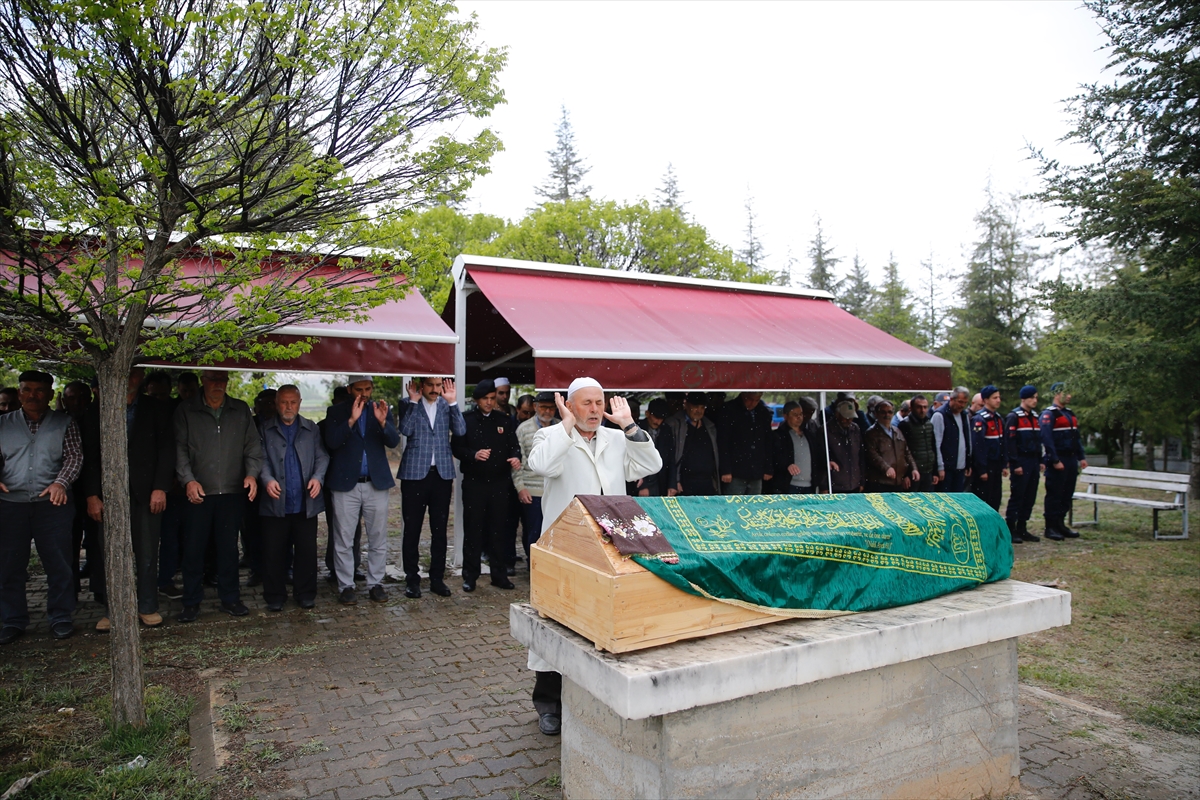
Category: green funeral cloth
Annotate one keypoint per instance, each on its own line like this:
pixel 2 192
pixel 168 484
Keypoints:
pixel 855 552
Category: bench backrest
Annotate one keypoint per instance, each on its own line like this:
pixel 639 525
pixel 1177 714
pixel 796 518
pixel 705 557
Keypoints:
pixel 1139 479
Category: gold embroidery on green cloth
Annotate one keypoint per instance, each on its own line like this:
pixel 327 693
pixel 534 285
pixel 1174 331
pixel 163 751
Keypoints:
pixel 721 535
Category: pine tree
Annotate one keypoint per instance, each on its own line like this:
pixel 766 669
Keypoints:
pixel 752 254
pixel 933 302
pixel 893 308
pixel 820 253
pixel 567 169
pixel 858 296
pixel 669 194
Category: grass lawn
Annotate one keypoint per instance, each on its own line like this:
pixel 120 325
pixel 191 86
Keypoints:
pixel 1133 645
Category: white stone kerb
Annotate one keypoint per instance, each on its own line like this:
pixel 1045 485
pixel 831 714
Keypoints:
pixel 715 669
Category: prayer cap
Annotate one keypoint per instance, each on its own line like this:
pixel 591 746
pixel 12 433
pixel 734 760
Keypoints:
pixel 582 383
pixel 500 382
pixel 353 379
pixel 1028 391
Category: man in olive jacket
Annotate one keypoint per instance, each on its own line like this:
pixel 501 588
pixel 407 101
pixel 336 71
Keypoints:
pixel 294 464
pixel 217 459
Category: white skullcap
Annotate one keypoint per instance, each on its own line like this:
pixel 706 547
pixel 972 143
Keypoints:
pixel 353 379
pixel 500 382
pixel 582 383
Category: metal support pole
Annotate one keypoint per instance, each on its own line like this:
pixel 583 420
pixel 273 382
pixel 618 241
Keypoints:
pixel 825 431
pixel 460 381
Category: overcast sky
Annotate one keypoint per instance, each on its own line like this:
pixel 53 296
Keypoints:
pixel 886 119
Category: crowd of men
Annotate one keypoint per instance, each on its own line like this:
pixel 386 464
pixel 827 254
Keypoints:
pixel 207 472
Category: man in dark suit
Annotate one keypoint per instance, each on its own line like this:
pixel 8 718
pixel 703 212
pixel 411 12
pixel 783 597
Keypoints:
pixel 357 435
pixel 427 477
pixel 151 454
pixel 487 453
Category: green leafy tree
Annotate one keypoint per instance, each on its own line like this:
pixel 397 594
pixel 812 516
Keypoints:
pixel 567 169
pixel 858 296
pixel 1139 195
pixel 822 273
pixel 892 310
pixel 993 325
pixel 249 138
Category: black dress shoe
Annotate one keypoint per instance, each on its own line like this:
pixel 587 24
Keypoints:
pixel 237 609
pixel 188 614
pixel 306 603
pixel 440 589
pixel 379 594
pixel 10 634
pixel 550 724
pixel 503 583
pixel 1067 532
pixel 1054 534
pixel 62 630
pixel 1026 536
pixel 254 579
pixel 274 606
pixel 348 597
pixel 413 590
pixel 468 586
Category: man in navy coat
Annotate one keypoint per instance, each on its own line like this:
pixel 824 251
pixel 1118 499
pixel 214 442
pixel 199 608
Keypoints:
pixel 356 435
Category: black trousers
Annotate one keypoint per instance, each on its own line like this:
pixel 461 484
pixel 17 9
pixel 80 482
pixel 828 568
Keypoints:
pixel 252 533
pixel 432 492
pixel 144 528
pixel 989 491
pixel 48 527
pixel 926 483
pixel 874 487
pixel 1023 490
pixel 547 693
pixel 1060 486
pixel 279 536
pixel 218 519
pixel 697 485
pixel 956 481
pixel 485 524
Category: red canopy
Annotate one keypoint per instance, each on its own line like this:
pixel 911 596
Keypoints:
pixel 653 332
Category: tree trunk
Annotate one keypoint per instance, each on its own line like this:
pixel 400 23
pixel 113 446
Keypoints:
pixel 1127 448
pixel 1166 449
pixel 1150 453
pixel 124 643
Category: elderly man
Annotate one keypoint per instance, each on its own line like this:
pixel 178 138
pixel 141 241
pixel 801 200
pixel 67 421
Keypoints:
pixel 41 455
pixel 654 424
pixel 293 470
pixel 427 477
pixel 987 446
pixel 847 461
pixel 529 485
pixel 890 465
pixel 744 443
pixel 1064 458
pixel 487 453
pixel 218 457
pixel 582 457
pixel 151 459
pixel 693 469
pixel 357 434
pixel 952 433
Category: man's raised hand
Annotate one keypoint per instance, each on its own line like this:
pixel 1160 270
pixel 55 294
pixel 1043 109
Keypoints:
pixel 568 419
pixel 621 416
pixel 414 391
pixel 380 407
pixel 449 391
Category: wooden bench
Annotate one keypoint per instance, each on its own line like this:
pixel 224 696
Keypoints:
pixel 1175 482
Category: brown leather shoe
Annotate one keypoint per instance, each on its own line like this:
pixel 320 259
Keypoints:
pixel 104 625
pixel 152 620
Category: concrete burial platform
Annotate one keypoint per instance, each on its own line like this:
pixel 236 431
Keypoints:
pixel 916 701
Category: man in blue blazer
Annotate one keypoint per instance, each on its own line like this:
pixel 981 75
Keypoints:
pixel 427 476
pixel 359 478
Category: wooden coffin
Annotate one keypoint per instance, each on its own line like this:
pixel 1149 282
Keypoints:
pixel 580 580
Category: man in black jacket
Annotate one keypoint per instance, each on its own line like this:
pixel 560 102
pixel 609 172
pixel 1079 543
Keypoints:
pixel 151 454
pixel 487 454
pixel 692 466
pixel 798 451
pixel 918 432
pixel 744 442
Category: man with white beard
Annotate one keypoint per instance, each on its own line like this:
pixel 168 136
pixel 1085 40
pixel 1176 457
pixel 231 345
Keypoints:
pixel 581 457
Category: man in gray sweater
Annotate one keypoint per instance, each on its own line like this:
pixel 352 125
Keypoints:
pixel 218 458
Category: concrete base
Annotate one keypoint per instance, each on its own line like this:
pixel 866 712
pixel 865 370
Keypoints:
pixel 940 727
pixel 918 701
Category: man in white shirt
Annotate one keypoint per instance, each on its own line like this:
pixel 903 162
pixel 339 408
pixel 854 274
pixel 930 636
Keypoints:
pixel 581 457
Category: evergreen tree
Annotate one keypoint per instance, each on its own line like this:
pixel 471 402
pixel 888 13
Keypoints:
pixel 567 169
pixel 858 296
pixel 933 314
pixel 994 323
pixel 752 254
pixel 820 253
pixel 892 310
pixel 669 194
